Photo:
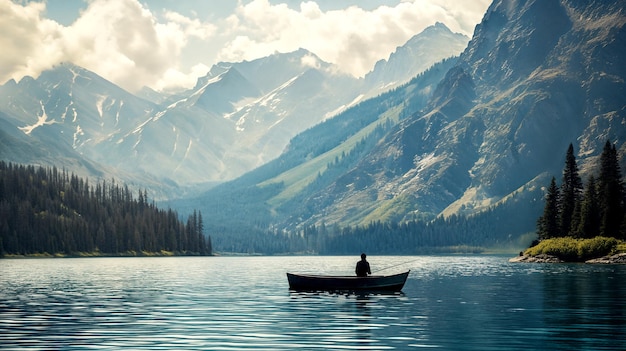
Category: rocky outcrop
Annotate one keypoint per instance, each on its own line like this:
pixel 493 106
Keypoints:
pixel 542 258
pixel 619 258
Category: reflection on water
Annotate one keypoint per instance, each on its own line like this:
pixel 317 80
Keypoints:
pixel 235 303
pixel 603 313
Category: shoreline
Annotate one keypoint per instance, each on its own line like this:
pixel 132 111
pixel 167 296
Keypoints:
pixel 619 258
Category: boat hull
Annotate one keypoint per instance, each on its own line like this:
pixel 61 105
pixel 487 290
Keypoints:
pixel 347 283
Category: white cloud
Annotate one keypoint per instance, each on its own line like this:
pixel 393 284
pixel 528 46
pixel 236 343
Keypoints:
pixel 119 39
pixel 173 79
pixel 28 41
pixel 310 9
pixel 351 37
pixel 124 42
pixel 310 61
pixel 192 27
pixel 131 45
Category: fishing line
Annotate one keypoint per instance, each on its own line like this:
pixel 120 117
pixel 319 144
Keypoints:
pixel 395 265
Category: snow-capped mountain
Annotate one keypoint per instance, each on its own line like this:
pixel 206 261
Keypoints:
pixel 78 104
pixel 415 56
pixel 237 117
pixel 270 100
pixel 68 117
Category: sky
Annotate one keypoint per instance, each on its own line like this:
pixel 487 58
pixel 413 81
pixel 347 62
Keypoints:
pixel 167 44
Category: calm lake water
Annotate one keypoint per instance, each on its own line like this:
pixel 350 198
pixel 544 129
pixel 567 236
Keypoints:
pixel 240 303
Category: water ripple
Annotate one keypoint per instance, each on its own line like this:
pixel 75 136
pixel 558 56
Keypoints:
pixel 461 303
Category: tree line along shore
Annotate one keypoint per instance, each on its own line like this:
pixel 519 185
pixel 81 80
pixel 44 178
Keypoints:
pixel 45 212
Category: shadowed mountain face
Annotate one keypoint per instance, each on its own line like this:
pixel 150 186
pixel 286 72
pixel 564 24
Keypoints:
pixel 536 76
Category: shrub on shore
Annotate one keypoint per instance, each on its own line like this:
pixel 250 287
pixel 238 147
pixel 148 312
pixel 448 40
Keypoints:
pixel 575 250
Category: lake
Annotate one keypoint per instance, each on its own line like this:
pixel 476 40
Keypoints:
pixel 243 303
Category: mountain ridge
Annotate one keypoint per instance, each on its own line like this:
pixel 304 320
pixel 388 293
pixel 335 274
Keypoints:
pixel 237 117
pixel 535 77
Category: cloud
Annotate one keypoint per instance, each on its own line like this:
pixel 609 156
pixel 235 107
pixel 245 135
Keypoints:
pixel 310 61
pixel 124 42
pixel 28 41
pixel 353 38
pixel 128 43
pixel 119 39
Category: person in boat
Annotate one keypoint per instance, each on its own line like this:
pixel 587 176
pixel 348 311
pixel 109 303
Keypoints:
pixel 362 267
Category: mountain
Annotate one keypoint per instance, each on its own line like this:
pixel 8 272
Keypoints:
pixel 415 56
pixel 295 95
pixel 536 76
pixel 65 117
pixel 236 118
pixel 290 190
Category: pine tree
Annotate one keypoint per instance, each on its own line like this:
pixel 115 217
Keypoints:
pixel 209 246
pixel 571 191
pixel 589 225
pixel 548 223
pixel 611 192
pixel 200 231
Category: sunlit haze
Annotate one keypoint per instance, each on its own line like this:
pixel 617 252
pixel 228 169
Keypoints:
pixel 167 44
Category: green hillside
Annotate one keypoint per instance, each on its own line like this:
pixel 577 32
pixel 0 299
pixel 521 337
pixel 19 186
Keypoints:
pixel 273 193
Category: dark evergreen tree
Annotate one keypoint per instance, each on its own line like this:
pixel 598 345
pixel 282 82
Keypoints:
pixel 610 192
pixel 204 244
pixel 571 190
pixel 589 225
pixel 548 223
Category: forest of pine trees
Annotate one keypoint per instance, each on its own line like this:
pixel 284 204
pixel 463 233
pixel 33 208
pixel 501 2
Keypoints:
pixel 450 234
pixel 597 209
pixel 47 211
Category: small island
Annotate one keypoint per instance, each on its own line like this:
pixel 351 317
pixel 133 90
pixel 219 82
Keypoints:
pixel 582 224
pixel 558 250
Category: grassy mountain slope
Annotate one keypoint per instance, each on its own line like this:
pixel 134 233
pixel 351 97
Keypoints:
pixel 536 76
pixel 276 191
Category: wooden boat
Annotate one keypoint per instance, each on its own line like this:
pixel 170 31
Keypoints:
pixel 347 283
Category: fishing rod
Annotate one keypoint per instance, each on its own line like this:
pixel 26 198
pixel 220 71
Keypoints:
pixel 395 265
